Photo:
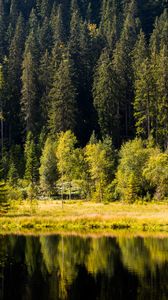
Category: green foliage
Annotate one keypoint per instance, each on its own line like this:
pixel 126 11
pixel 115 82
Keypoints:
pixel 28 91
pixel 31 163
pixel 84 66
pixel 14 77
pixel 111 194
pixel 2 100
pixel 65 153
pixel 100 165
pixel 156 172
pixel 73 172
pixel 4 164
pixel 48 170
pixel 12 174
pixel 62 98
pixel 105 101
pixel 110 28
pixel 151 71
pixel 14 193
pixel 1 80
pixel 162 96
pixel 129 176
pixel 143 99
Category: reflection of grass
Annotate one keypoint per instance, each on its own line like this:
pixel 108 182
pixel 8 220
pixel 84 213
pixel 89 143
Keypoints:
pixel 83 216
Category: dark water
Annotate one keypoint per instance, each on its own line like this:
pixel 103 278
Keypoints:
pixel 75 268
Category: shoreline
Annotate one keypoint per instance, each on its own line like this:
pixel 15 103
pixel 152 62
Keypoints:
pixel 78 216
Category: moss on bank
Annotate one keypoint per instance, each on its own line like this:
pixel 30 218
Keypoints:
pixel 49 216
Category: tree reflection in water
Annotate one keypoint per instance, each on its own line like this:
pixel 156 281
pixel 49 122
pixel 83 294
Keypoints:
pixel 71 267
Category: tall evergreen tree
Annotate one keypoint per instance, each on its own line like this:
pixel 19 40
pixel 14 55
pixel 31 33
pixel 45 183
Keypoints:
pixel 45 82
pixel 62 98
pixel 29 96
pixel 31 164
pixel 143 103
pixel 45 36
pixel 75 27
pixel 57 24
pixel 158 41
pixel 14 81
pixel 143 88
pixel 2 30
pixel 29 99
pixel 104 97
pixel 124 73
pixel 162 95
pixel 14 13
pixel 111 21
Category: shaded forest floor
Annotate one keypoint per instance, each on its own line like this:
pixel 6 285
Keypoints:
pixel 44 216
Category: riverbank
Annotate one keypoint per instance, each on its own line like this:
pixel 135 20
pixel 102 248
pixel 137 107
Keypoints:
pixel 80 216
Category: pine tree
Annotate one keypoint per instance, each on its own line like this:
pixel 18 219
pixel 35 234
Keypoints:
pixel 159 34
pixel 15 55
pixel 124 74
pixel 104 98
pixel 14 12
pixel 45 36
pixel 83 80
pixel 110 24
pixel 33 21
pixel 17 158
pixel 43 8
pixel 162 96
pixel 143 100
pixel 143 88
pixel 74 40
pixel 12 174
pixel 83 59
pixel 62 107
pixel 29 99
pixel 89 13
pixel 140 52
pixel 157 42
pixel 45 83
pixel 2 30
pixel 58 37
pixel 31 164
pixel 57 25
pixel 14 80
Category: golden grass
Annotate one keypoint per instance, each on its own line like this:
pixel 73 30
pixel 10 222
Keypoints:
pixel 48 216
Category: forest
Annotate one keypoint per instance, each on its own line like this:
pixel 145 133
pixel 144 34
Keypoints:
pixel 84 99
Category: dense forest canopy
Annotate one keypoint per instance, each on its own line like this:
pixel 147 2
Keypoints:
pixel 80 65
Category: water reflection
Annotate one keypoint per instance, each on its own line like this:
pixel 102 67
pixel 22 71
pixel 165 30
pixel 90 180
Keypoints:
pixel 71 267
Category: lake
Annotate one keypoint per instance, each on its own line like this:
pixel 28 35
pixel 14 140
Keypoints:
pixel 71 267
